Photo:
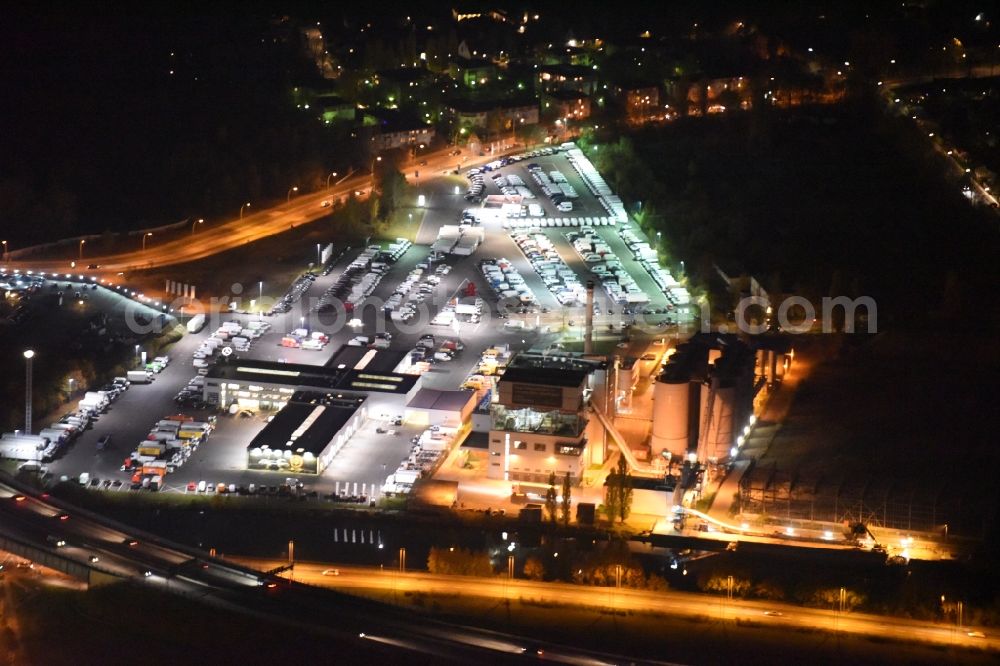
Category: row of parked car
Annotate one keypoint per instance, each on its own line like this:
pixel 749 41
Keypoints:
pixel 380 341
pixel 361 276
pixel 560 279
pixel 430 350
pixel 611 202
pixel 416 288
pixel 505 280
pixel 555 186
pixel 511 159
pixel 192 395
pixel 292 296
pixel 302 338
pixel 474 193
pixel 512 186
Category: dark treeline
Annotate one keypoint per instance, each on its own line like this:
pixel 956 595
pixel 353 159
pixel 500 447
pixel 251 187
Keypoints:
pixel 122 120
pixel 815 202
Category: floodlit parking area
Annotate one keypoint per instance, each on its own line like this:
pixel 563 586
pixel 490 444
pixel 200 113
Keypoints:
pixel 489 308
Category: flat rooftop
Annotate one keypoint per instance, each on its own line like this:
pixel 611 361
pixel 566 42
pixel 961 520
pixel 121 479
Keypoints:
pixel 564 377
pixel 362 358
pixel 454 401
pixel 308 422
pixel 311 376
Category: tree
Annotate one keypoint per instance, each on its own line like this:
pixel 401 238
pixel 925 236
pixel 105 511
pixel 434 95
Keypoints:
pixel 550 497
pixel 533 568
pixel 391 186
pixel 566 505
pixel 459 562
pixel 618 494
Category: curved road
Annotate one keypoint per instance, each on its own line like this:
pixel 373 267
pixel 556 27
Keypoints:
pixel 255 225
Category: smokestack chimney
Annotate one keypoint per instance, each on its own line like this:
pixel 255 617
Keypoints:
pixel 588 336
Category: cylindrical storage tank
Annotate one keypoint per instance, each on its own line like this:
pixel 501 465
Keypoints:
pixel 772 362
pixel 715 430
pixel 780 367
pixel 671 402
pixel 625 380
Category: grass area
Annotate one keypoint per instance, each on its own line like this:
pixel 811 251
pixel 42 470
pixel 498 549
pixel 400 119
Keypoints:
pixel 404 223
pixel 57 627
pixel 235 274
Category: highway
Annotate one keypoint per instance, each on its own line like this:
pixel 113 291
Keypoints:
pixel 254 225
pixel 362 629
pixel 766 613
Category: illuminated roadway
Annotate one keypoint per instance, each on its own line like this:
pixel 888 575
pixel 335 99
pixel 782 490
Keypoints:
pixel 255 224
pixel 363 628
pixel 356 579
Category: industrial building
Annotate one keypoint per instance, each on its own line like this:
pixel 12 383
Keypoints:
pixel 703 398
pixel 540 419
pixel 307 432
pixel 268 385
pixel 430 407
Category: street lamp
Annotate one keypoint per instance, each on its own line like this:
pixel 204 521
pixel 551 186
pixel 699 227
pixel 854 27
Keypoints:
pixel 293 188
pixel 378 158
pixel 144 237
pixel 194 224
pixel 82 241
pixel 246 205
pixel 29 354
pixel 4 243
pixel 332 175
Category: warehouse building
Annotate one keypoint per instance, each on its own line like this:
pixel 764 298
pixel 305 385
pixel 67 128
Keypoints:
pixel 268 385
pixel 307 432
pixel 430 407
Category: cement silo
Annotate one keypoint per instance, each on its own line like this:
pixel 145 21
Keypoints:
pixel 671 413
pixel 718 407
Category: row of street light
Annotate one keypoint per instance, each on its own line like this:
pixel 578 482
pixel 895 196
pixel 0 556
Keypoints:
pixel 200 220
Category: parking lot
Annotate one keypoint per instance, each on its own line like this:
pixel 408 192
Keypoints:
pixel 369 455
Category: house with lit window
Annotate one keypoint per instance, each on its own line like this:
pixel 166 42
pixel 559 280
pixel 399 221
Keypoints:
pixel 638 99
pixel 494 115
pixel 563 76
pixel 471 72
pixel 566 104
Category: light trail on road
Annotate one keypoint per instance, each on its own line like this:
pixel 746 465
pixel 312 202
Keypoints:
pixel 357 579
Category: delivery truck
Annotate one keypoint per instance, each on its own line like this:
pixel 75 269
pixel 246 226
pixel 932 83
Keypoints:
pixel 138 377
pixel 196 323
